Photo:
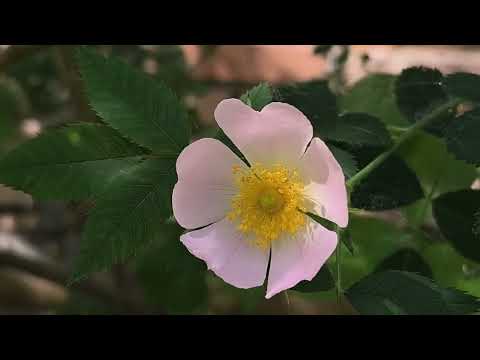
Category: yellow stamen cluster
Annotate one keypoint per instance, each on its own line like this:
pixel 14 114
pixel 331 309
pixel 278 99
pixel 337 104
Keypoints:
pixel 267 203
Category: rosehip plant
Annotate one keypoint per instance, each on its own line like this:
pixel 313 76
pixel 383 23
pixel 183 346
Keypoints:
pixel 284 197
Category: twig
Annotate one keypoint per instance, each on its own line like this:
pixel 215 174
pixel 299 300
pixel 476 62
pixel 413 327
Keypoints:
pixel 379 160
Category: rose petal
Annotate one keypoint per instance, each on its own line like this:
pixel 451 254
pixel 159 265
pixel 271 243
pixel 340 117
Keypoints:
pixel 325 183
pixel 205 186
pixel 228 254
pixel 279 134
pixel 299 258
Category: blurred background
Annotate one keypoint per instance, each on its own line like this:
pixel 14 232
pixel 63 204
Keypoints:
pixel 40 89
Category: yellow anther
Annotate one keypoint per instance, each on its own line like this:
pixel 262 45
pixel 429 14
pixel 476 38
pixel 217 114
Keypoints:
pixel 267 203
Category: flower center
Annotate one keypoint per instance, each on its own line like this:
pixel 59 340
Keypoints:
pixel 267 203
pixel 271 201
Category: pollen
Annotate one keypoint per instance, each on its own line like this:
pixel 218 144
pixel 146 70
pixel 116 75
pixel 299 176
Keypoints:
pixel 269 203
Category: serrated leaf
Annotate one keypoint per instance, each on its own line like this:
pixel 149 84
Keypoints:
pixel 374 95
pixel 462 136
pixel 391 185
pixel 406 260
pixel 141 108
pixel 128 216
pixel 399 292
pixel 314 99
pixel 345 159
pixel 357 129
pixel 416 89
pixel 323 281
pixel 456 214
pixel 258 97
pixel 73 163
pixel 435 166
pixel 319 104
pixel 463 85
pixel 171 278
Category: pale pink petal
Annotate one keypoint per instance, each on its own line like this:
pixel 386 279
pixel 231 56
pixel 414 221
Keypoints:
pixel 279 134
pixel 207 161
pixel 205 186
pixel 325 183
pixel 299 258
pixel 228 254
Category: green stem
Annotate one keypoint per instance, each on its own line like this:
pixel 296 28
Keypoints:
pixel 397 130
pixel 339 271
pixel 287 301
pixel 362 174
pixel 420 218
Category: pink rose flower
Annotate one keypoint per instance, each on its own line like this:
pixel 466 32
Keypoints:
pixel 244 215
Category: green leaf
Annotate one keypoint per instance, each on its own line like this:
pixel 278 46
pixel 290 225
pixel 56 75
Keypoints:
pixel 139 107
pixel 463 85
pixel 128 216
pixel 417 88
pixel 406 260
pixel 323 281
pixel 374 95
pixel 327 224
pixel 314 99
pixel 398 292
pixel 72 163
pixel 373 240
pixel 435 166
pixel 391 185
pixel 447 273
pixel 170 276
pixel 319 104
pixel 356 129
pixel 345 159
pixel 437 170
pixel 462 136
pixel 258 97
pixel 456 214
